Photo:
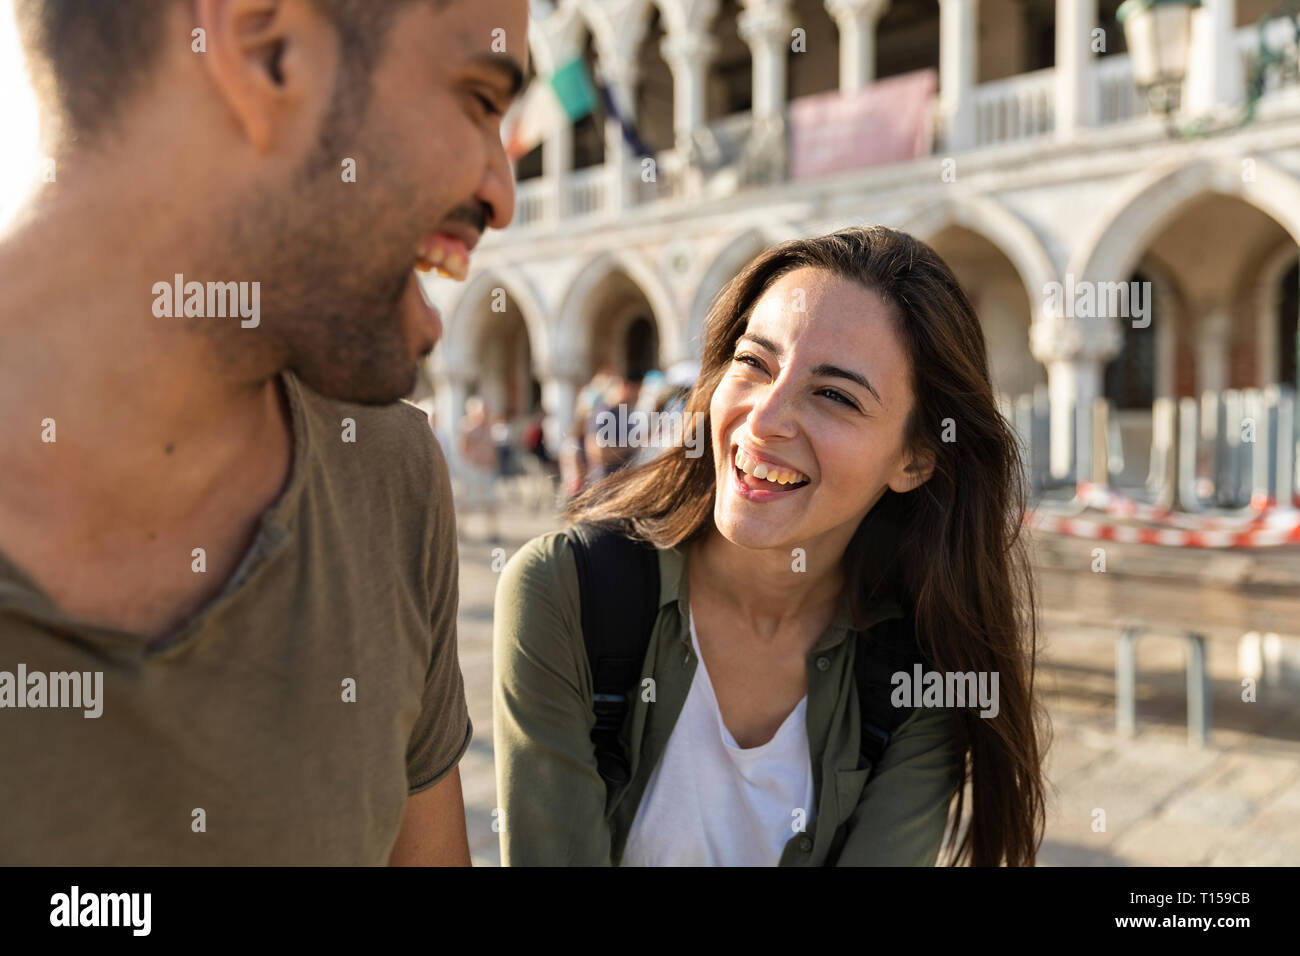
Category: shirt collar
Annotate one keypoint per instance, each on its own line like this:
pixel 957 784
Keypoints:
pixel 20 593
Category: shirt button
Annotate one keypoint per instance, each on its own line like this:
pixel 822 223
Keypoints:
pixel 805 844
pixel 823 663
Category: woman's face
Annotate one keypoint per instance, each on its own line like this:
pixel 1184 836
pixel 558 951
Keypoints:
pixel 816 394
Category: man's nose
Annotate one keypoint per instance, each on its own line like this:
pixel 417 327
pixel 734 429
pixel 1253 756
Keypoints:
pixel 497 190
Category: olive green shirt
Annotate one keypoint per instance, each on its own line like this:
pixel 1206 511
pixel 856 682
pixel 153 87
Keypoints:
pixel 553 798
pixel 288 721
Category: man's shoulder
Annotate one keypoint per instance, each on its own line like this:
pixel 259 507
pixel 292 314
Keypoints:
pixel 380 469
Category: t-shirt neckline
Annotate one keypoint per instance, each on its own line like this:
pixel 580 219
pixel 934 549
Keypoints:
pixel 273 532
pixel 728 739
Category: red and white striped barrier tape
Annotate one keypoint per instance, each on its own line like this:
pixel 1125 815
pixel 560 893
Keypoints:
pixel 1262 511
pixel 1266 526
pixel 1265 537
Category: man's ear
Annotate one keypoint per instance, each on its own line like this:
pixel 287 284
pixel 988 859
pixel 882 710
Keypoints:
pixel 245 47
pixel 916 471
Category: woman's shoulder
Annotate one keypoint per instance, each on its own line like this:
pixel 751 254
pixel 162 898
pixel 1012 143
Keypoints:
pixel 537 616
pixel 545 558
pixel 540 582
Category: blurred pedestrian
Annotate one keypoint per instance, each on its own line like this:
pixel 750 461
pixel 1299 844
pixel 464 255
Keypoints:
pixel 572 458
pixel 609 419
pixel 479 466
pixel 537 460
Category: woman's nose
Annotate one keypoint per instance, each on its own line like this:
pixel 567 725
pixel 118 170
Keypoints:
pixel 774 411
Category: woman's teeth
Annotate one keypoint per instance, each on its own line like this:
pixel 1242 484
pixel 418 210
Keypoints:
pixel 780 476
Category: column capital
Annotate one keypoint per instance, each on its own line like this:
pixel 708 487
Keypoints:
pixel 688 51
pixel 768 24
pixel 563 368
pixel 450 374
pixel 856 10
pixel 1055 338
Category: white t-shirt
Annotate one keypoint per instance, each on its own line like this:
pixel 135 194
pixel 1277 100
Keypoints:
pixel 712 803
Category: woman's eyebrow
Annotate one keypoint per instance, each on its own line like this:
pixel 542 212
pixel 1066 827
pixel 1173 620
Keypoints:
pixel 824 369
pixel 834 371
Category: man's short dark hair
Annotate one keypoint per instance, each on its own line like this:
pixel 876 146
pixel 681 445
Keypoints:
pixel 86 57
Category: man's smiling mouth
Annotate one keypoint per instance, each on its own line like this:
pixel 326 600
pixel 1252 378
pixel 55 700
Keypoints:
pixel 447 253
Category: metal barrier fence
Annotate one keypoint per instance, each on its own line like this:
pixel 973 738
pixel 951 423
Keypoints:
pixel 1226 451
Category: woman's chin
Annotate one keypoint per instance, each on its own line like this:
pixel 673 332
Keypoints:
pixel 752 532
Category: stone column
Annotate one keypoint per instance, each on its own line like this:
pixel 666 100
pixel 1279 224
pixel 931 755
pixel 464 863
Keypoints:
pixel 958 46
pixel 1213 334
pixel 857 21
pixel 557 164
pixel 560 385
pixel 688 56
pixel 451 388
pixel 1075 351
pixel 766 31
pixel 620 79
pixel 1215 77
pixel 1076 87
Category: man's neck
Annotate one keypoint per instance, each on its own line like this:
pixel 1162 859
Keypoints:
pixel 113 416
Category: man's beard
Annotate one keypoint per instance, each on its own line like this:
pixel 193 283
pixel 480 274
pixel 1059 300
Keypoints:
pixel 334 260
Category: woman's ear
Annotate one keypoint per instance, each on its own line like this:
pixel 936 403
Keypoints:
pixel 916 471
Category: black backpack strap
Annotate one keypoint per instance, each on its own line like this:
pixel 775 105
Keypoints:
pixel 618 580
pixel 888 648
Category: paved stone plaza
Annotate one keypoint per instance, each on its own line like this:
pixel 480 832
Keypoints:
pixel 1235 802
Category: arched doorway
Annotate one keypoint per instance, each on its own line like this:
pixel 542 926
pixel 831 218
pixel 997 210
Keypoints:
pixel 503 362
pixel 1130 377
pixel 1288 317
pixel 623 330
pixel 641 350
pixel 997 291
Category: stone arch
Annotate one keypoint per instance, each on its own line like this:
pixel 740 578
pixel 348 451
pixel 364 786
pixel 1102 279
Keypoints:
pixel 572 333
pixel 1267 283
pixel 735 254
pixel 1000 226
pixel 465 320
pixel 1115 241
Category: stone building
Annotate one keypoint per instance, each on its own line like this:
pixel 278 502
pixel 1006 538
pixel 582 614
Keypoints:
pixel 1044 165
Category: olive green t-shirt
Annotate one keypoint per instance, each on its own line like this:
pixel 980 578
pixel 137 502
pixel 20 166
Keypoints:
pixel 286 722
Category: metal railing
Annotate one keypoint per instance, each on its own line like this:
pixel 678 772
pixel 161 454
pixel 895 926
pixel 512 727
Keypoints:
pixel 1220 451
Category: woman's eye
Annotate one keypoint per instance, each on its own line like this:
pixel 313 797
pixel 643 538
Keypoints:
pixel 488 106
pixel 747 360
pixel 837 396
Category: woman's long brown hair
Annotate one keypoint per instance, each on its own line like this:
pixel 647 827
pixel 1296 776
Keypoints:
pixel 957 553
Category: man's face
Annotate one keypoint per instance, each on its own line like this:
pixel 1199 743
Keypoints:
pixel 341 297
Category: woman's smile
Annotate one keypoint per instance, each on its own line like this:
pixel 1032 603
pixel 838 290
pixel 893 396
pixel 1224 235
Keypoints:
pixel 758 480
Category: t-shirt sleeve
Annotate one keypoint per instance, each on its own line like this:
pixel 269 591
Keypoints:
pixel 442 733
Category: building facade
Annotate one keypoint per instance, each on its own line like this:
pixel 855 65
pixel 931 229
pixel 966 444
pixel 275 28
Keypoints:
pixel 1040 170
